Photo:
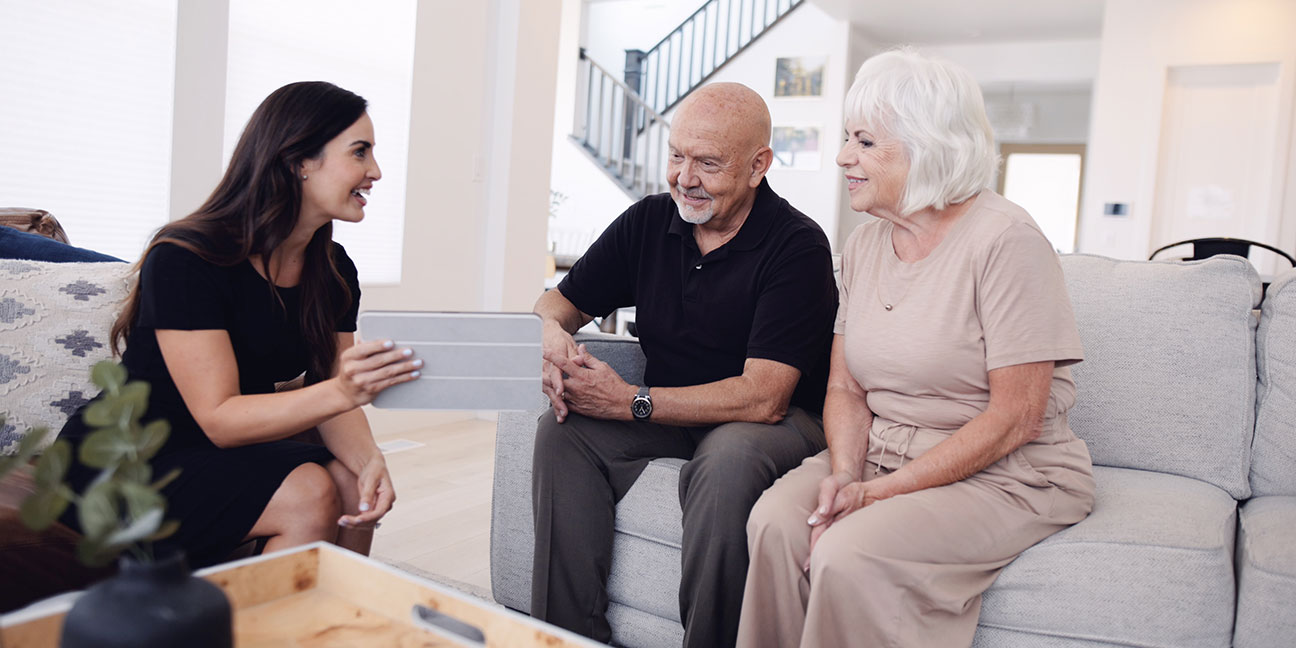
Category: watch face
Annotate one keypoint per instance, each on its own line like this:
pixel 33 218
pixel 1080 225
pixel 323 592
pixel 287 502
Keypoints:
pixel 641 407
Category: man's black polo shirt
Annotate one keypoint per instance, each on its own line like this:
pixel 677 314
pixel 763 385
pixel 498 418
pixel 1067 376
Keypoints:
pixel 766 293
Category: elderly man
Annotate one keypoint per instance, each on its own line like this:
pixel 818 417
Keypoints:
pixel 735 303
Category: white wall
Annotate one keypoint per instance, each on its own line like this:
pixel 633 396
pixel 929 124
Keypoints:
pixel 198 122
pixel 477 152
pixel 806 32
pixel 1060 62
pixel 1141 40
pixel 589 198
pixel 1055 76
pixel 610 27
pixel 479 147
pixel 1061 116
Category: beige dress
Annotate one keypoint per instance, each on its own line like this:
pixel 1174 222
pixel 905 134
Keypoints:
pixel 920 338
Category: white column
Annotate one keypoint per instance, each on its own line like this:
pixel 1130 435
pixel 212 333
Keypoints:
pixel 202 41
pixel 519 142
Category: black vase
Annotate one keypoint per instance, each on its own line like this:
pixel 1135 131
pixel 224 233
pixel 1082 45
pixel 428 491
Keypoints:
pixel 151 604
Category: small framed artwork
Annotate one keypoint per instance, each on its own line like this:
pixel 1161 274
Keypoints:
pixel 799 76
pixel 796 148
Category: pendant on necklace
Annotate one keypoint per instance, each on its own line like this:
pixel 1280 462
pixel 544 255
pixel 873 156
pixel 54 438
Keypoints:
pixel 886 306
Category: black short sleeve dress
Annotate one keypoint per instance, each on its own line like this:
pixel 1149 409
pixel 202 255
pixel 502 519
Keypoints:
pixel 220 493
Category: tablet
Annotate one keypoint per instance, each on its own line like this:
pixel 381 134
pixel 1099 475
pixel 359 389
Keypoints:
pixel 471 361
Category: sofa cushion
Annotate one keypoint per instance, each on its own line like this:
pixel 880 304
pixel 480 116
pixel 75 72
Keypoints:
pixel 651 509
pixel 54 322
pixel 1273 453
pixel 623 353
pixel 1168 380
pixel 512 521
pixel 635 629
pixel 1266 610
pixel 646 565
pixel 1151 566
pixel 42 244
pixel 512 526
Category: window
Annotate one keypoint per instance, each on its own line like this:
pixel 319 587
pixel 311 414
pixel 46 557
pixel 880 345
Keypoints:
pixel 367 49
pixel 1045 181
pixel 85 124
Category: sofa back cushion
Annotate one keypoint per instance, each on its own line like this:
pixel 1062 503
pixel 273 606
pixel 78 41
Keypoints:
pixel 1273 453
pixel 54 322
pixel 1168 381
pixel 622 352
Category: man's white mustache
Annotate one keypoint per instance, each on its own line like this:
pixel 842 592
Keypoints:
pixel 694 194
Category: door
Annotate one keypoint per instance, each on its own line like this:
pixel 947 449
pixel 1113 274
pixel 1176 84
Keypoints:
pixel 1220 158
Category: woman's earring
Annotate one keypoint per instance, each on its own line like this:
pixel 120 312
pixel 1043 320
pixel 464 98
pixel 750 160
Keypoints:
pixel 303 176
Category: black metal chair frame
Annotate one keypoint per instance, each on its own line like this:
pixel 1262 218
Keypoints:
pixel 1209 247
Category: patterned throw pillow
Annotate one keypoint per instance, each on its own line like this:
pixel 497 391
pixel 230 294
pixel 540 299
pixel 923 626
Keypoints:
pixel 54 322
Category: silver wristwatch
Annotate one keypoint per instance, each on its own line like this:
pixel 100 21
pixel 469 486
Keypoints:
pixel 641 405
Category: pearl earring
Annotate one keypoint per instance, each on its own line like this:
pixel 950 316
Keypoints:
pixel 303 176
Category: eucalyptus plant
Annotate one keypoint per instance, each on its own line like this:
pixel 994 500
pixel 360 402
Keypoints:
pixel 122 508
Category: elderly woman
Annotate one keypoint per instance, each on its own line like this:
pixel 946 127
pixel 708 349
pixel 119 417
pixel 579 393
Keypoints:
pixel 948 451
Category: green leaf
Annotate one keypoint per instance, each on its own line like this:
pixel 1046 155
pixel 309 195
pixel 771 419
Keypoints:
pixel 104 475
pixel 108 375
pixel 134 472
pixel 41 509
pixel 143 527
pixel 98 511
pixel 100 414
pixel 53 465
pixel 105 447
pixel 166 479
pixel 166 531
pixel 93 553
pixel 142 500
pixel 152 438
pixel 134 397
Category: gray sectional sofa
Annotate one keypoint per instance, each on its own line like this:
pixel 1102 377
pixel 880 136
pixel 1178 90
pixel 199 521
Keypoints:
pixel 1188 404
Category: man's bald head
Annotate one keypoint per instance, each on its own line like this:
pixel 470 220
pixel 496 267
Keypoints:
pixel 719 153
pixel 732 110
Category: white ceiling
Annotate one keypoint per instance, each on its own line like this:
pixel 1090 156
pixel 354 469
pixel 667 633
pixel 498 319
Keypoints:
pixel 970 21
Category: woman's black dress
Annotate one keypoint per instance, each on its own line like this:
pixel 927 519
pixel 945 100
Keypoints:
pixel 220 493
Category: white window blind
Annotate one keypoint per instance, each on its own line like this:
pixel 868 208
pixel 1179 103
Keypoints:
pixel 367 49
pixel 85 116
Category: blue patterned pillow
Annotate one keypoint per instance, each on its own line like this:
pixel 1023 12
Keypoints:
pixel 54 321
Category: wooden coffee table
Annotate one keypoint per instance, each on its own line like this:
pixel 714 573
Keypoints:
pixel 319 595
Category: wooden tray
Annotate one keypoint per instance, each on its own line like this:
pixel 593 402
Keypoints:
pixel 319 595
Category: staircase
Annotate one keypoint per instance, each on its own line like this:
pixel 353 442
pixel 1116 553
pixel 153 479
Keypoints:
pixel 619 121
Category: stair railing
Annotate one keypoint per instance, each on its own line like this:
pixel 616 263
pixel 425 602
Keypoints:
pixel 605 126
pixel 698 47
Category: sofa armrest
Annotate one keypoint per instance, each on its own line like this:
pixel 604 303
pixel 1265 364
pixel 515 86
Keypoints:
pixel 512 523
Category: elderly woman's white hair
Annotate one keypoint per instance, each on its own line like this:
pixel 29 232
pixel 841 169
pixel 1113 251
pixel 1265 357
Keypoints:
pixel 935 109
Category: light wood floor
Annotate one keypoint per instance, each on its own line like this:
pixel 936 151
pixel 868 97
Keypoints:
pixel 441 521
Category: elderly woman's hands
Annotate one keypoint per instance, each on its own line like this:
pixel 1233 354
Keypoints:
pixel 840 494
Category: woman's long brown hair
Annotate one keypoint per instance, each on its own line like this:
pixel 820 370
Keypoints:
pixel 255 207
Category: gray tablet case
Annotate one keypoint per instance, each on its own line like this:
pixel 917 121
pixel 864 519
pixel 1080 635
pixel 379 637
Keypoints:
pixel 471 361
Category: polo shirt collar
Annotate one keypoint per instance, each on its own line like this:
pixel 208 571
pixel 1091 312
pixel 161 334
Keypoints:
pixel 753 230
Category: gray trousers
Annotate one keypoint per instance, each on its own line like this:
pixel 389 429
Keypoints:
pixel 584 466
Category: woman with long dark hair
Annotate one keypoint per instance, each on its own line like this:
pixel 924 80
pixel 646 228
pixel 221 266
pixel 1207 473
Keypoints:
pixel 250 291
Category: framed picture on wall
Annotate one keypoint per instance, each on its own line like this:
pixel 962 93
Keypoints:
pixel 800 76
pixel 796 148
